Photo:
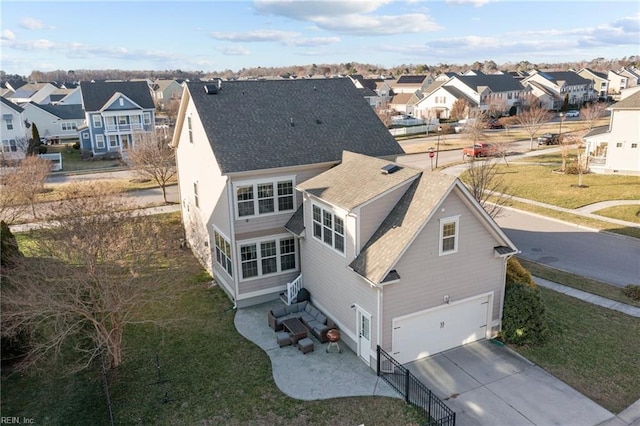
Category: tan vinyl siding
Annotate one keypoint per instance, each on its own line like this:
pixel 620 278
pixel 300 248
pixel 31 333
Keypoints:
pixel 276 220
pixel 372 214
pixel 426 277
pixel 333 286
pixel 268 282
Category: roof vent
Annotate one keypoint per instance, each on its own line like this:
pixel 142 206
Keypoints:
pixel 211 89
pixel 390 168
pixel 318 121
pixel 291 122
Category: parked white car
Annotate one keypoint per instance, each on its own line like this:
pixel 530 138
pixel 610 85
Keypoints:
pixel 572 113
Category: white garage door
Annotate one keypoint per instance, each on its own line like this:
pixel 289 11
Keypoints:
pixel 435 330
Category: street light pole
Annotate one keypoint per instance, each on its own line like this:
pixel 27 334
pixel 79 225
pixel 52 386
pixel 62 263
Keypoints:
pixel 438 145
pixel 560 131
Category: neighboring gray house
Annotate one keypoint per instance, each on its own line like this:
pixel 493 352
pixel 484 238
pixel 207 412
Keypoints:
pixel 33 92
pixel 401 258
pixel 114 112
pixel 305 189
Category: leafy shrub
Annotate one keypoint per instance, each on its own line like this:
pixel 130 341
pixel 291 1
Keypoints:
pixel 523 316
pixel 42 149
pixel 632 291
pixel 76 145
pixel 9 250
pixel 516 273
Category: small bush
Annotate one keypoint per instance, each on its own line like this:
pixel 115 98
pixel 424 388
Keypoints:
pixel 632 291
pixel 42 149
pixel 516 273
pixel 523 316
pixel 76 145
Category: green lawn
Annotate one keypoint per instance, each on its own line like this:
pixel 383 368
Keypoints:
pixel 630 213
pixel 215 375
pixel 592 349
pixel 72 162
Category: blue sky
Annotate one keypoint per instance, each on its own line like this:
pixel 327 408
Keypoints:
pixel 219 35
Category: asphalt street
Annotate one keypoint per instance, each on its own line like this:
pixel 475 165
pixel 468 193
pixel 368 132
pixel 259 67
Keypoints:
pixel 603 256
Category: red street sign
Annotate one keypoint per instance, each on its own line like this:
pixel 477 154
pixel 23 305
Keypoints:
pixel 432 154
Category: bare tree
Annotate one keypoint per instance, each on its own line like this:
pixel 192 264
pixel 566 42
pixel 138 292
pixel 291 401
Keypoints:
pixel 474 127
pixel 496 107
pixel 99 270
pixel 532 117
pixel 21 185
pixel 385 115
pixel 153 158
pixel 459 109
pixel 591 113
pixel 486 184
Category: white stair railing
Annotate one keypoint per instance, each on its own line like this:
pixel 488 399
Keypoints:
pixel 293 288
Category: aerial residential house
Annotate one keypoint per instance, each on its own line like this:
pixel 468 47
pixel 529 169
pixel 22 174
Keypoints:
pixel 632 74
pixel 165 90
pixel 114 113
pixel 600 81
pixel 404 103
pixel 55 122
pixel 306 189
pixel 615 149
pixel 617 82
pixel 13 131
pixel 380 87
pixel 242 147
pixel 438 103
pixel 400 257
pixel 33 92
pixel 483 91
pixel 411 84
pixel 566 86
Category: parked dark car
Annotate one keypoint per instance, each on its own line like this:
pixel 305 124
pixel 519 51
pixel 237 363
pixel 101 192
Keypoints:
pixel 549 139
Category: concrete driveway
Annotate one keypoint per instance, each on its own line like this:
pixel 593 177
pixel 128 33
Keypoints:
pixel 487 384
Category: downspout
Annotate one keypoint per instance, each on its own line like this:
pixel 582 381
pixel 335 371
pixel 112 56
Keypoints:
pixel 232 231
pixel 379 322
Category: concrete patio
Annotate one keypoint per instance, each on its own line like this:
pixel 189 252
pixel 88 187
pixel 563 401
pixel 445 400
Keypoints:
pixel 315 375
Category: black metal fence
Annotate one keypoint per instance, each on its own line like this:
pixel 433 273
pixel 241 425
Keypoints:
pixel 414 391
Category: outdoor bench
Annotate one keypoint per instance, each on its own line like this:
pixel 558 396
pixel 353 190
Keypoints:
pixel 316 322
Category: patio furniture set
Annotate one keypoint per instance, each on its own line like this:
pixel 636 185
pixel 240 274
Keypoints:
pixel 293 323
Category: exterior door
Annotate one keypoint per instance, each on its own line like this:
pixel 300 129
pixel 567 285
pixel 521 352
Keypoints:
pixel 364 335
pixel 124 139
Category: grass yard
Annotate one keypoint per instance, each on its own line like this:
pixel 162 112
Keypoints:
pixel 629 213
pixel 215 376
pixel 71 161
pixel 575 281
pixel 592 349
pixel 541 183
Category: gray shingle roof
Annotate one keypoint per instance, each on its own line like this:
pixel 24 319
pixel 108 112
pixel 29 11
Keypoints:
pixel 411 79
pixel 64 112
pixel 569 77
pixel 355 181
pixel 459 94
pixel 95 95
pixel 257 125
pixel 401 226
pixel 495 82
pixel 11 105
pixel 295 224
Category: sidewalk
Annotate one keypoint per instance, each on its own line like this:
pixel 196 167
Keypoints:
pixel 589 297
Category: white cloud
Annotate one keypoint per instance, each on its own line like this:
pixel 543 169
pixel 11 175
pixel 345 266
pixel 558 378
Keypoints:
pixel 378 25
pixel 304 10
pixel 255 36
pixel 234 51
pixel 7 35
pixel 476 3
pixel 31 24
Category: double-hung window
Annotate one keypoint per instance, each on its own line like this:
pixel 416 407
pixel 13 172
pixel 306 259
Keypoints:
pixel 328 228
pixel 449 229
pixel 223 252
pixel 264 197
pixel 97 120
pixel 100 141
pixel 267 257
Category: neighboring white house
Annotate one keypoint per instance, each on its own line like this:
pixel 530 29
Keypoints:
pixel 13 131
pixel 617 82
pixel 483 91
pixel 33 92
pixel 306 188
pixel 600 81
pixel 615 149
pixel 563 85
pixel 55 122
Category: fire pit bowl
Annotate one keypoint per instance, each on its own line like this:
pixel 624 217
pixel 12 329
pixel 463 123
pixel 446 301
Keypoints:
pixel 333 335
